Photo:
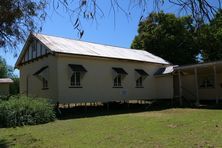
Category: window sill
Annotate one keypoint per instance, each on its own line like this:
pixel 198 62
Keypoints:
pixel 45 88
pixel 139 87
pixel 117 87
pixel 75 86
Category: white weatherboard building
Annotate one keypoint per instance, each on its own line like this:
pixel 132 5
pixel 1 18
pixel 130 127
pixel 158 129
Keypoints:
pixel 72 71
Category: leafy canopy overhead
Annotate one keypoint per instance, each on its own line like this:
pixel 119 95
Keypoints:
pixel 169 37
pixel 19 17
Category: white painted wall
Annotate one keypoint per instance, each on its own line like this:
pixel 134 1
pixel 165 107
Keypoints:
pixel 97 83
pixel 35 84
pixel 164 87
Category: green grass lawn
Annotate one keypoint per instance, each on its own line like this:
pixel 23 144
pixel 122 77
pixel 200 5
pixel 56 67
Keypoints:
pixel 166 128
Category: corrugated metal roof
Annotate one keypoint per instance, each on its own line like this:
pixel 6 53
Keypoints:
pixel 70 46
pixel 5 80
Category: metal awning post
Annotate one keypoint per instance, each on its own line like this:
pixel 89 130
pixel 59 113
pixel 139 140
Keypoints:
pixel 215 83
pixel 180 87
pixel 196 86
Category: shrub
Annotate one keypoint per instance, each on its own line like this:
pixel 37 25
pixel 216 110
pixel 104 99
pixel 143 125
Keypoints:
pixel 21 110
pixel 14 87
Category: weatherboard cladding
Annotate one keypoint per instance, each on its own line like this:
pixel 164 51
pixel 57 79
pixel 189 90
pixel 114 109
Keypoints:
pixel 70 46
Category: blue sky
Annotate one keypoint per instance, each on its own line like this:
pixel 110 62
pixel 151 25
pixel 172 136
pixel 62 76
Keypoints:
pixel 105 32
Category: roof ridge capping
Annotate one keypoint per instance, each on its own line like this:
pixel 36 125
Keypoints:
pixel 69 38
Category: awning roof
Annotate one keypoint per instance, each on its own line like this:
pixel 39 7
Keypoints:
pixel 165 70
pixel 76 67
pixel 204 64
pixel 40 70
pixel 141 72
pixel 120 70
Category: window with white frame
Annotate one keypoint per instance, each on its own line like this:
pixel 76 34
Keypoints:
pixel 118 75
pixel 140 77
pixel 42 74
pixel 117 81
pixel 139 82
pixel 77 73
pixel 44 83
pixel 75 79
pixel 206 81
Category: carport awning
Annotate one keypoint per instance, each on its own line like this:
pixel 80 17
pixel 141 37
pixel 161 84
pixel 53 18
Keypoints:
pixel 141 72
pixel 78 68
pixel 120 71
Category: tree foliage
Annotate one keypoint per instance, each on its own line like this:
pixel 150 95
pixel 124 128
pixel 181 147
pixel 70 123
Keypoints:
pixel 169 37
pixel 3 68
pixel 19 17
pixel 8 71
pixel 210 39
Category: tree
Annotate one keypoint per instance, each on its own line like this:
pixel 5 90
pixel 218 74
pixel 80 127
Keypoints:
pixel 210 39
pixel 14 87
pixel 19 17
pixel 7 71
pixel 169 37
pixel 3 68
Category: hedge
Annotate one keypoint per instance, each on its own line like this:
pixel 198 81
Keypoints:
pixel 21 110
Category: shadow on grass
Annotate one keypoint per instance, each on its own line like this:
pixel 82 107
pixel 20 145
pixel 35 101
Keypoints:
pixel 109 109
pixel 125 108
pixel 4 143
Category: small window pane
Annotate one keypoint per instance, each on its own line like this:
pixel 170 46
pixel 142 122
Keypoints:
pixel 75 79
pixel 117 81
pixel 139 82
pixel 206 81
pixel 44 83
